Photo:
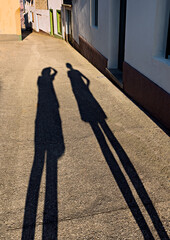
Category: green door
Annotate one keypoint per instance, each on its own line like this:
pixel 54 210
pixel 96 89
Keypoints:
pixel 59 25
pixel 51 22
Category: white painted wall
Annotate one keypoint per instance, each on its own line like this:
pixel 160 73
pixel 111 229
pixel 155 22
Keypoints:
pixel 145 40
pixel 97 37
pixel 105 38
pixel 55 5
pixel 41 18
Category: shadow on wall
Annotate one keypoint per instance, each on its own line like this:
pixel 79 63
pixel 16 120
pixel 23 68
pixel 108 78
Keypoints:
pixel 91 112
pixel 49 147
pixel 28 27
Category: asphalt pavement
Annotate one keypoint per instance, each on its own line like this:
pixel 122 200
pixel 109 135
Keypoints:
pixel 78 159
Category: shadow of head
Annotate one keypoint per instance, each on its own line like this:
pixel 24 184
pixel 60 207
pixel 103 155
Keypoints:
pixel 68 65
pixel 47 72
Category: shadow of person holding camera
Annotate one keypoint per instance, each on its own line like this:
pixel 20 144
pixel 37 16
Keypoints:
pixel 49 147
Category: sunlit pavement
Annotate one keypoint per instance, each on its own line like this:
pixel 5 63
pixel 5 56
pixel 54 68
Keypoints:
pixel 79 160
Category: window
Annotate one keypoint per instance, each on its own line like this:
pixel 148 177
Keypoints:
pixel 67 2
pixel 59 25
pixel 168 42
pixel 94 13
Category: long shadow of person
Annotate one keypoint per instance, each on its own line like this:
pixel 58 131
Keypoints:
pixel 91 112
pixel 49 147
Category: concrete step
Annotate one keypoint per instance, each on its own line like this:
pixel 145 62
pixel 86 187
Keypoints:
pixel 116 75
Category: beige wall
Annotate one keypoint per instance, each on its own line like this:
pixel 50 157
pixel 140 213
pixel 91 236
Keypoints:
pixel 41 4
pixel 10 17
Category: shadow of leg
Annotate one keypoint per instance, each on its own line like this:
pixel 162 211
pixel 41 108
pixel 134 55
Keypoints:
pixel 50 221
pixel 131 171
pixel 121 182
pixel 33 193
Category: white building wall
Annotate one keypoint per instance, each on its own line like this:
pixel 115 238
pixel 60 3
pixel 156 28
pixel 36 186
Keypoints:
pixel 55 5
pixel 96 36
pixel 145 40
pixel 42 20
pixel 28 10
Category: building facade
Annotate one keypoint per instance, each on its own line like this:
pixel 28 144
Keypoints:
pixel 37 15
pixel 45 16
pixel 10 22
pixel 55 8
pixel 128 41
pixel 67 20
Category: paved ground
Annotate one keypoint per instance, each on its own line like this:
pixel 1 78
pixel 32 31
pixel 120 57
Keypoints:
pixel 78 159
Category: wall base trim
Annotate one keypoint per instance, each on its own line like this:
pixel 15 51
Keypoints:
pixel 96 58
pixel 10 37
pixel 149 95
pixel 92 55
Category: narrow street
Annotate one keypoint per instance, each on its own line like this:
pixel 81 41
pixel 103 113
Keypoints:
pixel 79 160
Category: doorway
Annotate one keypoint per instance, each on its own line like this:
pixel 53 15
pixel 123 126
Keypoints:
pixel 117 27
pixel 122 28
pixel 69 26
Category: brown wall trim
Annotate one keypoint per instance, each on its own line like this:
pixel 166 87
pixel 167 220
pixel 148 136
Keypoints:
pixel 91 54
pixel 153 98
pixel 96 58
pixel 76 45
